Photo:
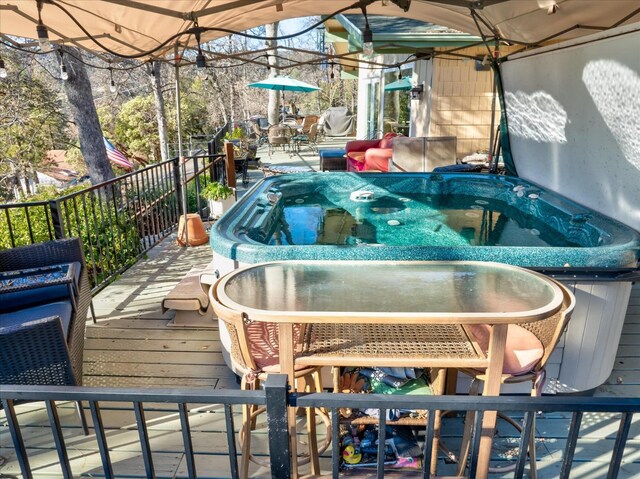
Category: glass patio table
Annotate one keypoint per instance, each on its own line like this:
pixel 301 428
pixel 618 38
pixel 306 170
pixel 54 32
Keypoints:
pixel 363 294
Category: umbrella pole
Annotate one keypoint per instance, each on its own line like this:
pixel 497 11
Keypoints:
pixel 183 180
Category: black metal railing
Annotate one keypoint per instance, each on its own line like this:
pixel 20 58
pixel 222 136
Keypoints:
pixel 136 398
pixel 276 398
pixel 529 406
pixel 118 220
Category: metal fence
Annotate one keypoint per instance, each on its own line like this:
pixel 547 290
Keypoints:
pixel 276 398
pixel 118 220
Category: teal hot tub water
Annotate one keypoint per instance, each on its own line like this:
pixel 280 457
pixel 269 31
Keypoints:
pixel 422 217
pixel 427 216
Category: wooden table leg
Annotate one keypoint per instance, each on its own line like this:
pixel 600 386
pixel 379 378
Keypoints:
pixel 438 380
pixel 287 347
pixel 491 388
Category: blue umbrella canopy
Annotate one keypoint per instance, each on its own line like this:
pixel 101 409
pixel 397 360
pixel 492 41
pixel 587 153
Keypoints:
pixel 402 84
pixel 284 83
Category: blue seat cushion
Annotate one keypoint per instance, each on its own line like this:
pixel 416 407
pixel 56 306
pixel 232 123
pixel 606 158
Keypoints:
pixel 33 297
pixel 333 153
pixel 63 309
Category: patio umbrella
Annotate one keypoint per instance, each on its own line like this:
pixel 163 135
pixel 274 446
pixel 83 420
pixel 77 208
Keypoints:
pixel 402 84
pixel 284 83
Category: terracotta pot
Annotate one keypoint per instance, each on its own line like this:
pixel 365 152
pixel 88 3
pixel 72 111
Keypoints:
pixel 194 228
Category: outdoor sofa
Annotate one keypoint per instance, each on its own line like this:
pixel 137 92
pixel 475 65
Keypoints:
pixel 42 327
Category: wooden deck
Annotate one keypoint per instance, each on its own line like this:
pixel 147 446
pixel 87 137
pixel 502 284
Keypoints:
pixel 131 346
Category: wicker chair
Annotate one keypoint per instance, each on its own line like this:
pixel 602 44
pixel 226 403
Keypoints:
pixel 255 354
pixel 309 138
pixel 279 136
pixel 261 135
pixel 37 352
pixel 543 337
pixel 307 122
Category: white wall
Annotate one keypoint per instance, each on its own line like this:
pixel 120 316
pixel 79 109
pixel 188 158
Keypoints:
pixel 421 109
pixel 574 120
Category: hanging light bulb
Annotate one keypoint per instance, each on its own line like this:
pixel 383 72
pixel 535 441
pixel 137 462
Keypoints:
pixel 332 76
pixel 201 61
pixel 43 32
pixel 63 69
pixel 112 84
pixel 3 70
pixel 367 40
pixel 367 34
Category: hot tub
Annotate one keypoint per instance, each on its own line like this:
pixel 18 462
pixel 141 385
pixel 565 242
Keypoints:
pixel 427 216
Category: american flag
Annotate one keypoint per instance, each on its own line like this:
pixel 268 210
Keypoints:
pixel 116 156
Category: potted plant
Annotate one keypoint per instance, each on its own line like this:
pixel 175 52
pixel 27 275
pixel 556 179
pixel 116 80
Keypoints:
pixel 220 198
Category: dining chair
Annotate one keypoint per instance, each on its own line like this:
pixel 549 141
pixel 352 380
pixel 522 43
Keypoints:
pixel 261 135
pixel 307 122
pixel 255 354
pixel 528 349
pixel 309 138
pixel 279 136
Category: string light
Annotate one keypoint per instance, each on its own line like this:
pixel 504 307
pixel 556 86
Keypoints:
pixel 367 34
pixel 3 70
pixel 63 69
pixel 332 76
pixel 112 84
pixel 43 32
pixel 197 30
pixel 201 61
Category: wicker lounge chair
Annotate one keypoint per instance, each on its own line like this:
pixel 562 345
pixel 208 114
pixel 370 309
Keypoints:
pixel 43 344
pixel 53 253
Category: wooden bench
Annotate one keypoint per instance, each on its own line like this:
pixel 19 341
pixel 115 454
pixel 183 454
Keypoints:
pixel 190 301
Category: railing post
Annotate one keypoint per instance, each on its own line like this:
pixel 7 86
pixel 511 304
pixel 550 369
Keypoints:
pixel 196 168
pixel 230 164
pixel 212 149
pixel 277 423
pixel 176 179
pixel 56 219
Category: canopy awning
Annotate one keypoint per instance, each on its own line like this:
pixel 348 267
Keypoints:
pixel 134 28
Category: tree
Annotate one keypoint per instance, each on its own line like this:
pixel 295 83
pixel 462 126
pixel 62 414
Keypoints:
pixel 83 110
pixel 273 111
pixel 154 71
pixel 31 122
pixel 135 127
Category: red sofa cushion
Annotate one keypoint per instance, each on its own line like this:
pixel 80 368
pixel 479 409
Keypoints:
pixel 377 159
pixel 387 140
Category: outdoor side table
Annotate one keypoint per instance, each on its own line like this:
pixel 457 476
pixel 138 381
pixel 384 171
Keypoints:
pixel 394 294
pixel 334 159
pixel 13 283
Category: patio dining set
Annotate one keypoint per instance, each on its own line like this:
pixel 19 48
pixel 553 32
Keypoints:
pixel 494 322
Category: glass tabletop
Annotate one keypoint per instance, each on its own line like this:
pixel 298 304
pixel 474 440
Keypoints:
pixel 448 288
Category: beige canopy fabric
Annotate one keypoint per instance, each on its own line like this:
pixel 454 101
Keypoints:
pixel 129 27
